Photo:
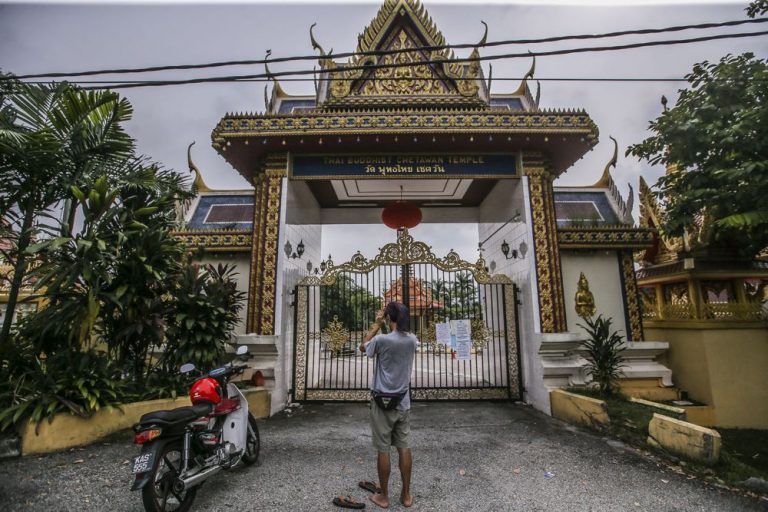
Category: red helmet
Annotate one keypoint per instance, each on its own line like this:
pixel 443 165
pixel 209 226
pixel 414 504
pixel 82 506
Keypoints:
pixel 205 390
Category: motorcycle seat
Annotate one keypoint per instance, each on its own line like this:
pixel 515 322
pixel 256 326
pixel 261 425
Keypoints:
pixel 179 415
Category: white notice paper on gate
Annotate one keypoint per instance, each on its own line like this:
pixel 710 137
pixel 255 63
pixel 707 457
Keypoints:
pixel 463 340
pixel 443 334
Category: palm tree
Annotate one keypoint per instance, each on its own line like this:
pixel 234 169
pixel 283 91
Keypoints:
pixel 439 289
pixel 464 288
pixel 52 137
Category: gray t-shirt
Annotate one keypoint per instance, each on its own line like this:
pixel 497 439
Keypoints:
pixel 393 368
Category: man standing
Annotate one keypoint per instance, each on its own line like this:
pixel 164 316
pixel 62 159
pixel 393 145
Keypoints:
pixel 391 402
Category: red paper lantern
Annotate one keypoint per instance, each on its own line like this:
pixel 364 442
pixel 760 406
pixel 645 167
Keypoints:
pixel 401 214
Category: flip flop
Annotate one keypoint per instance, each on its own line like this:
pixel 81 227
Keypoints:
pixel 347 502
pixel 369 486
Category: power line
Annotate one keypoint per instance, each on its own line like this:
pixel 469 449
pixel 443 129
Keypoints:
pixel 495 79
pixel 678 28
pixel 340 71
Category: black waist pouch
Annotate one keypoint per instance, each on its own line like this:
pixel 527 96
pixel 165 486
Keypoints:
pixel 388 401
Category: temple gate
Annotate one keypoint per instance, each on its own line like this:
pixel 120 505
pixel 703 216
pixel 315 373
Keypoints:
pixel 334 310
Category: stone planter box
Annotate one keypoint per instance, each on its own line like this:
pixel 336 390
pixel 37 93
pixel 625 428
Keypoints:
pixel 67 430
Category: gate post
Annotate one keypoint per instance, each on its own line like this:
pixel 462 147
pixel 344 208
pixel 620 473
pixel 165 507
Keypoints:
pixel 264 251
pixel 545 244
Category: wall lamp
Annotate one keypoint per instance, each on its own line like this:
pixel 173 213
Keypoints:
pixel 506 251
pixel 288 248
pixel 326 264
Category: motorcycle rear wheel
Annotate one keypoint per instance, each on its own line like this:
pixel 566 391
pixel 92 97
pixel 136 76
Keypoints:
pixel 252 442
pixel 158 494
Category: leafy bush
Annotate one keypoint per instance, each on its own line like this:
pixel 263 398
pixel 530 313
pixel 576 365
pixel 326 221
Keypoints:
pixel 35 388
pixel 205 311
pixel 603 353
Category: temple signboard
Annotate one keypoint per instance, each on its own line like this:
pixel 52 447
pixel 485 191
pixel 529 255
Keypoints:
pixel 309 167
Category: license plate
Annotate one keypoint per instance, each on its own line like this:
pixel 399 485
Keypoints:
pixel 144 462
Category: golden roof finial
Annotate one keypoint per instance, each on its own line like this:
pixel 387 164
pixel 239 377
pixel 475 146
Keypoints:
pixel 605 179
pixel 521 90
pixel 476 52
pixel 485 35
pixel 199 183
pixel 315 44
pixel 279 92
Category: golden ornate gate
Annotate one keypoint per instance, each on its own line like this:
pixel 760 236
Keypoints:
pixel 334 310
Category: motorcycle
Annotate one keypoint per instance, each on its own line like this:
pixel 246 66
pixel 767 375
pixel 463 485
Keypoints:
pixel 183 447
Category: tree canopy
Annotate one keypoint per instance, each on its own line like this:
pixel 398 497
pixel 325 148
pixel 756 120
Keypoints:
pixel 713 144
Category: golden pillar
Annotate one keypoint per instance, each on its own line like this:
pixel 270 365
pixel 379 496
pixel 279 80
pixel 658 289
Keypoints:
pixel 546 249
pixel 631 297
pixel 266 230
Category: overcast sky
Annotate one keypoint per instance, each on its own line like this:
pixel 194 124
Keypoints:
pixel 44 37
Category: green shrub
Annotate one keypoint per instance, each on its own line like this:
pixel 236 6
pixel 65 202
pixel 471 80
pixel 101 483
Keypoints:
pixel 204 313
pixel 36 388
pixel 603 353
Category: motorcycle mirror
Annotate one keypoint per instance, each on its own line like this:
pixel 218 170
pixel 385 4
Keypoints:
pixel 186 368
pixel 242 350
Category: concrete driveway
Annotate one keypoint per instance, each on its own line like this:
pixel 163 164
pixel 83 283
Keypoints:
pixel 467 457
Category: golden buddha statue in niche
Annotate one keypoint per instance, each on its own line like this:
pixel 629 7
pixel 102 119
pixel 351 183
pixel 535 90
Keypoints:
pixel 585 301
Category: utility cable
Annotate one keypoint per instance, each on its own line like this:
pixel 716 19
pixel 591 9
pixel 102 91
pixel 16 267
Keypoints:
pixel 393 51
pixel 340 71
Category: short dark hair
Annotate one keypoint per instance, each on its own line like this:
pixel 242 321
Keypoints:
pixel 398 313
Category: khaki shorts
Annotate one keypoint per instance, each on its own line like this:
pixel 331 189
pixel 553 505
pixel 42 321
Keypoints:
pixel 390 428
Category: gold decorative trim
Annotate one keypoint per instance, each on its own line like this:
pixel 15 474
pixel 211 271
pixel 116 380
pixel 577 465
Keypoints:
pixel 335 335
pixel 376 29
pixel 382 122
pixel 513 356
pixel 363 395
pixel 546 250
pixel 274 184
pixel 338 395
pixel 300 346
pixel 404 252
pixel 631 297
pixel 253 321
pixel 461 394
pixel 216 241
pixel 431 79
pixel 606 237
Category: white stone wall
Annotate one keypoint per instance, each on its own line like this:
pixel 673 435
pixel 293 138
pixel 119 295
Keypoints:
pixel 603 272
pixel 299 222
pixel 505 201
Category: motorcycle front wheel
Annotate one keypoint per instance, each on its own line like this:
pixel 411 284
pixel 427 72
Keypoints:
pixel 158 495
pixel 252 443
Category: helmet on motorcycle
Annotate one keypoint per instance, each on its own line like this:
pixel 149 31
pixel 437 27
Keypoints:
pixel 205 390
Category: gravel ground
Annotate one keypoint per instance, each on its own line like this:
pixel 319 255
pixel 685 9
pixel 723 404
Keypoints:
pixel 467 457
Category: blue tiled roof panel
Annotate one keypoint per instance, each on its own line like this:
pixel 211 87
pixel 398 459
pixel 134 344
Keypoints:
pixel 575 206
pixel 510 103
pixel 223 212
pixel 288 106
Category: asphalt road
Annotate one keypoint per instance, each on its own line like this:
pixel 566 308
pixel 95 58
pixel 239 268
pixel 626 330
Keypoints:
pixel 467 457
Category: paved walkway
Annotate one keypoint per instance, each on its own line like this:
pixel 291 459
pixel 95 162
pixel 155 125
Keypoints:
pixel 467 457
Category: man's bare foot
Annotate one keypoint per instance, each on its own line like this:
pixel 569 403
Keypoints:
pixel 380 500
pixel 406 500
